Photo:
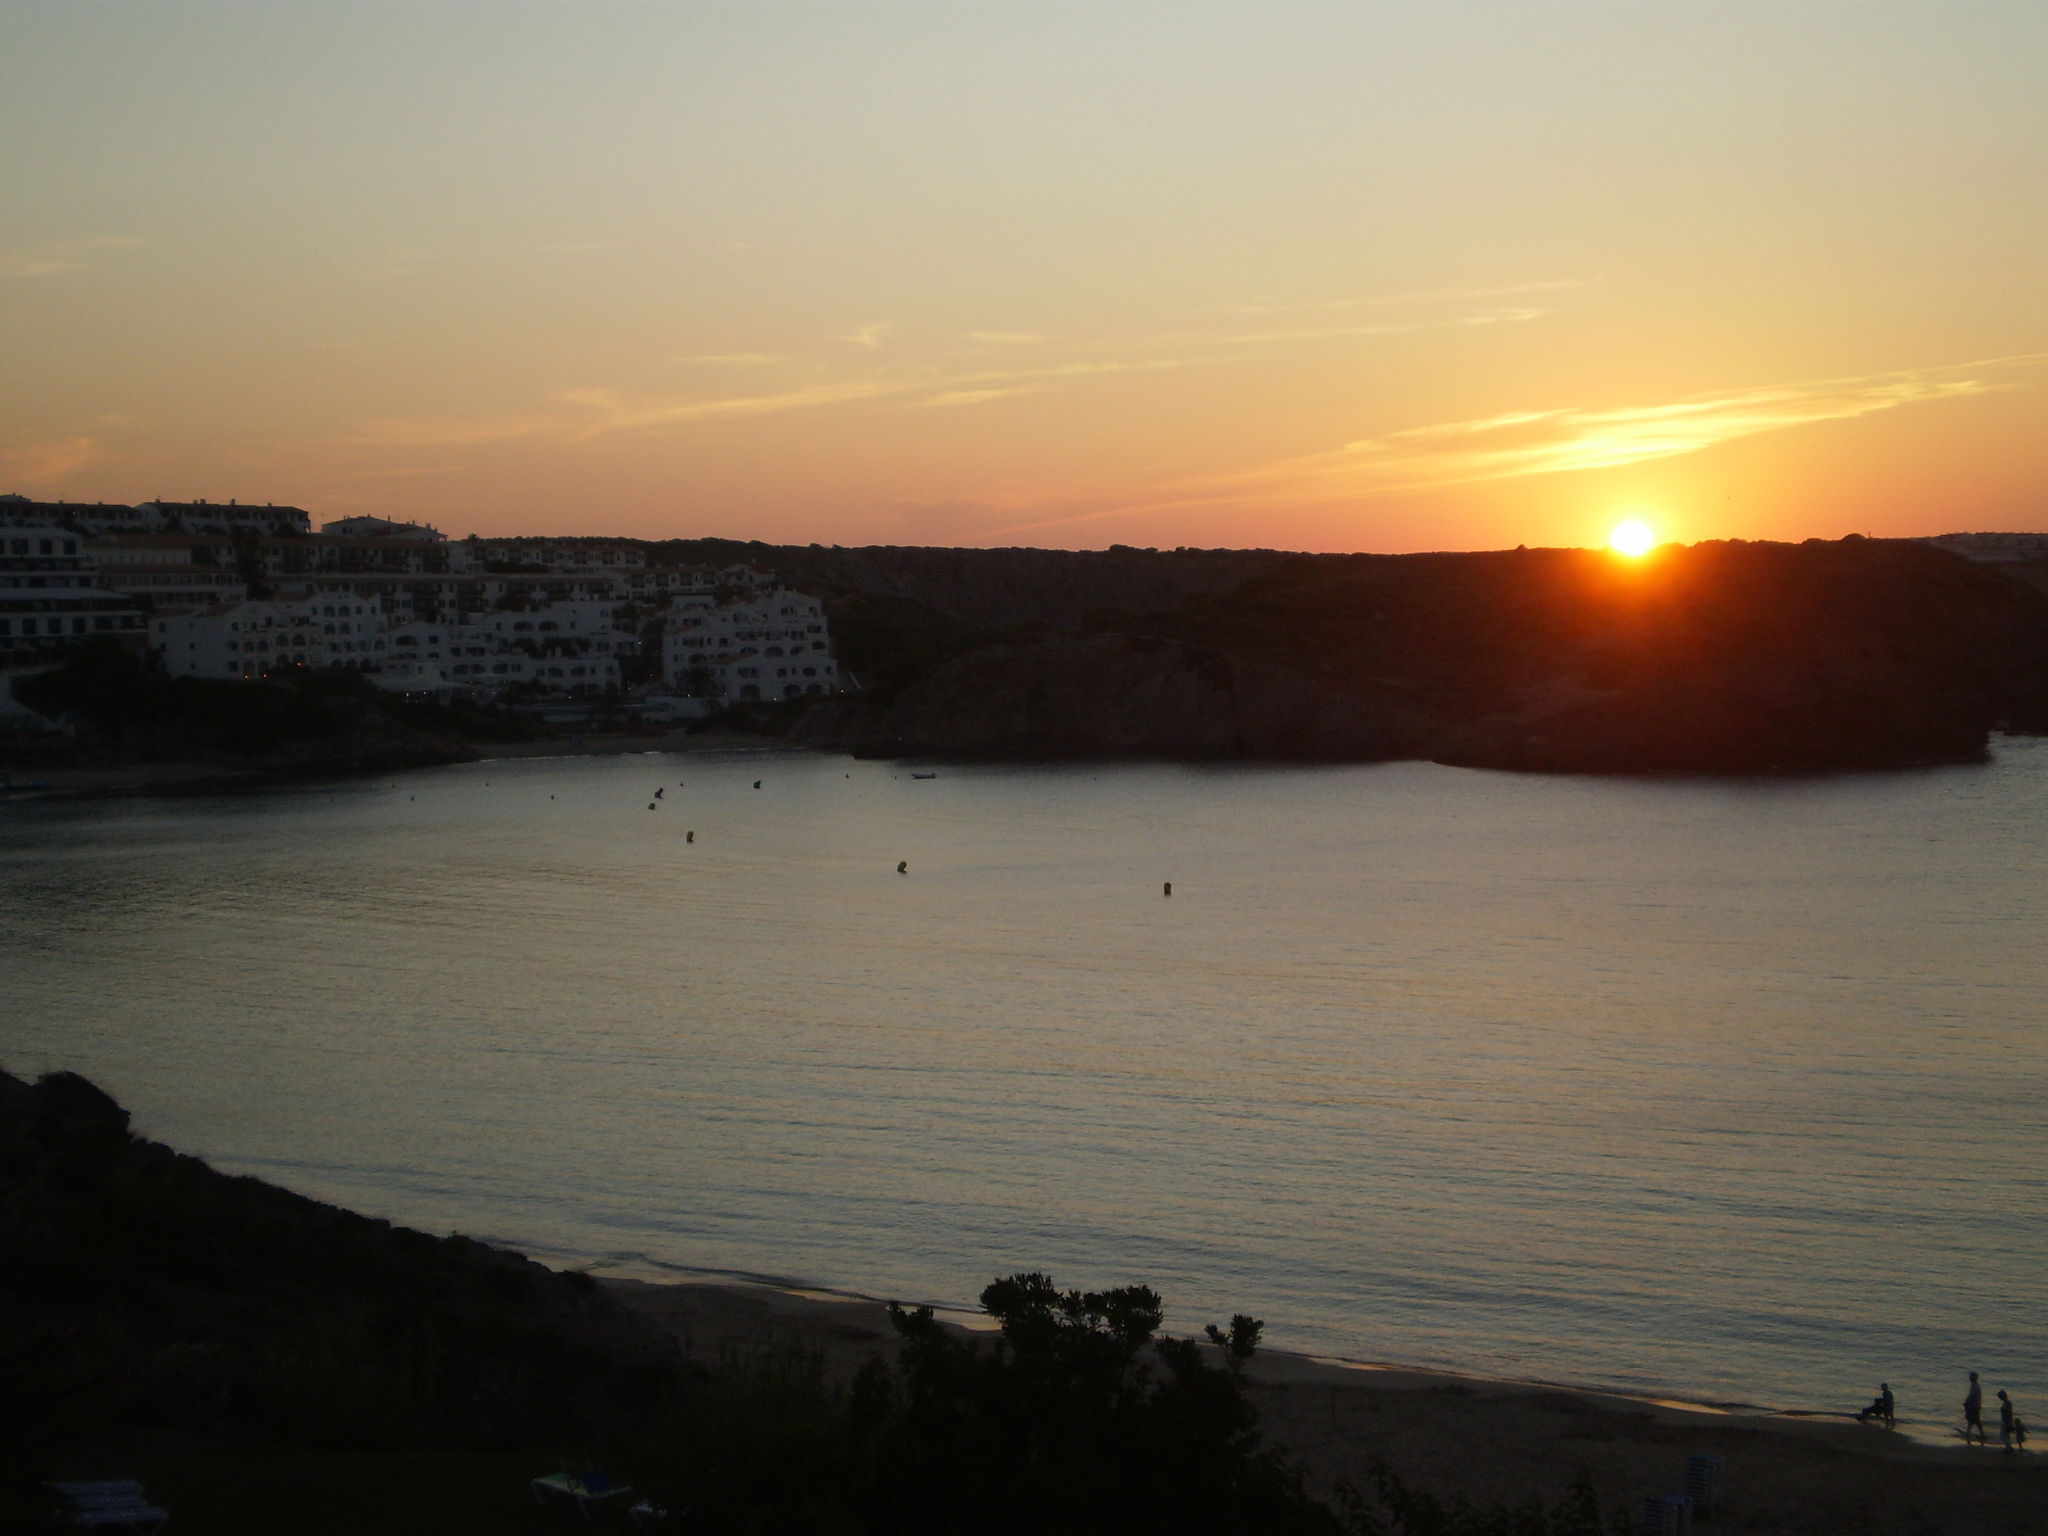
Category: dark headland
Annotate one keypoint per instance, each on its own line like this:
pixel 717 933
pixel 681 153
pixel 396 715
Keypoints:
pixel 1716 658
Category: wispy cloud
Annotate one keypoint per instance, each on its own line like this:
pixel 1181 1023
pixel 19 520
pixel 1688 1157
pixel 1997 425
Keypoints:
pixel 869 336
pixel 734 359
pixel 1559 441
pixel 1280 331
pixel 579 415
pixel 402 472
pixel 55 257
pixel 43 462
pixel 1269 304
pixel 978 396
pixel 1562 440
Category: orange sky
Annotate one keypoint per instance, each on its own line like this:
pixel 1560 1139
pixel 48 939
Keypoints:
pixel 1326 276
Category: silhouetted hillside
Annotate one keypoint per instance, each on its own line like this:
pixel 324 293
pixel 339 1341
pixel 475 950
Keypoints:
pixel 145 1296
pixel 1726 657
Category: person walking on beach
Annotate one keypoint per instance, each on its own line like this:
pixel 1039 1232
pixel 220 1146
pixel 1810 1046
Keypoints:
pixel 2005 1420
pixel 1973 1412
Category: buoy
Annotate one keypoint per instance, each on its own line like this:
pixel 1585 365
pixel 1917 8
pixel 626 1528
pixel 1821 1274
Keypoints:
pixel 903 868
pixel 1169 888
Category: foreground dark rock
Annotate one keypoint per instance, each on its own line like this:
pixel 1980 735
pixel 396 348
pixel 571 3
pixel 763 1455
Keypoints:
pixel 148 1300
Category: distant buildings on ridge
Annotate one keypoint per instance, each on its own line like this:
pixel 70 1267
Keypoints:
pixel 231 590
pixel 1993 548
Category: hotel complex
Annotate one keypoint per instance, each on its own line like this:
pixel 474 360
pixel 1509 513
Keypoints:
pixel 238 591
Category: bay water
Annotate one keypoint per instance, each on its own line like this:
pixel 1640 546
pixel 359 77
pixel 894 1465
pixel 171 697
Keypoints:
pixel 1729 1090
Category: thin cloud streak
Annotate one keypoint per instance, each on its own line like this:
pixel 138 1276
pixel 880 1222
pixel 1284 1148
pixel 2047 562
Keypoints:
pixel 977 396
pixel 1267 304
pixel 56 257
pixel 1560 441
pixel 48 462
pixel 583 414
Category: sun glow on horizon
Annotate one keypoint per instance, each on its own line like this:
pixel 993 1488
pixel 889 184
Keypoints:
pixel 1633 538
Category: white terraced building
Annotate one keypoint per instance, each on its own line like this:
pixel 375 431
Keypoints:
pixel 773 646
pixel 50 596
pixel 506 650
pixel 250 639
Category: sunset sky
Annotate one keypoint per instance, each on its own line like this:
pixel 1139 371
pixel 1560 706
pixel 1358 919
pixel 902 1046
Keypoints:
pixel 1326 275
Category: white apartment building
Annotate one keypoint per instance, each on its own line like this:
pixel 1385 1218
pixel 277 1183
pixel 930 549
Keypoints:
pixel 250 639
pixel 774 645
pixel 167 570
pixel 366 527
pixel 49 596
pixel 490 657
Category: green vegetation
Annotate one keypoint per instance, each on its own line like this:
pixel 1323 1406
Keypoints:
pixel 292 719
pixel 247 1351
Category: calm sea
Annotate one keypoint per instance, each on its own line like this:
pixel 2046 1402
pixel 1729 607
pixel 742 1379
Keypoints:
pixel 1731 1090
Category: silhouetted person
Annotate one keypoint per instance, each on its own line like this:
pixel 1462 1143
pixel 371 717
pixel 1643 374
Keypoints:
pixel 2006 1419
pixel 1881 1407
pixel 1973 1411
pixel 903 868
pixel 757 783
pixel 659 793
pixel 1169 889
pixel 690 836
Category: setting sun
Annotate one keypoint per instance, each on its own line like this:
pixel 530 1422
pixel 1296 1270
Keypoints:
pixel 1632 538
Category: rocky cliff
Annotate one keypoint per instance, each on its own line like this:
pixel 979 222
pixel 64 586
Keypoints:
pixel 1727 657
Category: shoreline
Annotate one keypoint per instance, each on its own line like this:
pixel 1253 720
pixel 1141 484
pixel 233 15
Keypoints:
pixel 1486 1439
pixel 188 778
pixel 785 1300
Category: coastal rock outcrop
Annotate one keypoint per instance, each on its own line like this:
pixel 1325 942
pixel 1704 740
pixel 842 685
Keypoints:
pixel 1719 658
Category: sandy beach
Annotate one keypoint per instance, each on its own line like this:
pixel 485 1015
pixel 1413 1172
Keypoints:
pixel 1496 1441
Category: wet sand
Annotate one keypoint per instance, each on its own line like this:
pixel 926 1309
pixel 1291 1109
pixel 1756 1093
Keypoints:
pixel 1498 1441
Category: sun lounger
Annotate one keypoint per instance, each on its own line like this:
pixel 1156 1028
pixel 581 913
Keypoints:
pixel 588 1489
pixel 1665 1514
pixel 1704 1475
pixel 116 1504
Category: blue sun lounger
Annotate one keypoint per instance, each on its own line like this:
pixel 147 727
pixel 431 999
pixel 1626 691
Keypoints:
pixel 115 1504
